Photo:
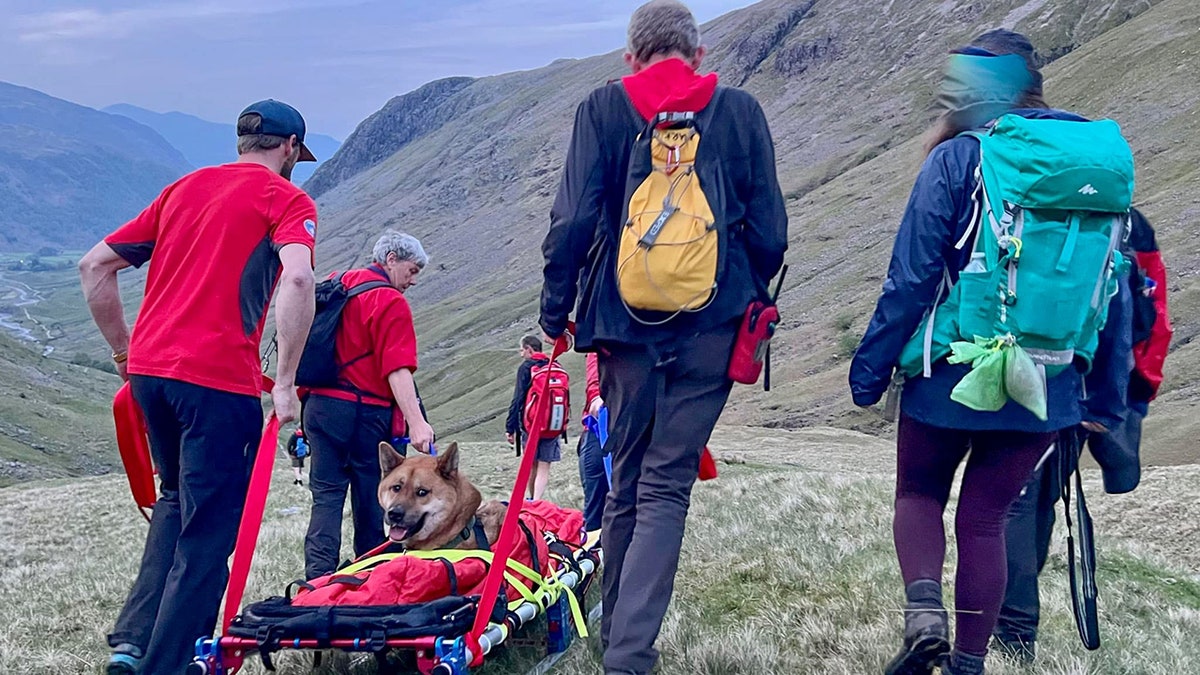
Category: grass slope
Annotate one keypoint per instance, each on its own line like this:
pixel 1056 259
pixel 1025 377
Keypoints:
pixel 55 419
pixel 788 566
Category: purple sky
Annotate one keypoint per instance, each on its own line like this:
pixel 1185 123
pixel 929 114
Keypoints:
pixel 336 60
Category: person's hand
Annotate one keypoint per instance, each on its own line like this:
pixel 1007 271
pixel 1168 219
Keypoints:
pixel 1095 427
pixel 420 435
pixel 287 406
pixel 551 341
pixel 594 408
pixel 123 371
pixel 510 438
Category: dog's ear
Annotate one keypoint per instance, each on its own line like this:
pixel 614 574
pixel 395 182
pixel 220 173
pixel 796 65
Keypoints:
pixel 389 459
pixel 447 461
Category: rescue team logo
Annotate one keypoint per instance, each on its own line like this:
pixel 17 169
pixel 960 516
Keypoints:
pixel 310 227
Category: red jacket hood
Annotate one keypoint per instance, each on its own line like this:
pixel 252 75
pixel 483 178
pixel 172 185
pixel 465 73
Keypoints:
pixel 669 86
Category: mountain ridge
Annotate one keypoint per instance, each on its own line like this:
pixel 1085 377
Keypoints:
pixel 847 93
pixel 206 143
pixel 69 173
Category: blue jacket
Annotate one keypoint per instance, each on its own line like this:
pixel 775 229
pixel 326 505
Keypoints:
pixel 938 213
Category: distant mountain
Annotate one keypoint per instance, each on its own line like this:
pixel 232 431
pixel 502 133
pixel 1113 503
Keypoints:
pixel 470 166
pixel 206 143
pixel 69 174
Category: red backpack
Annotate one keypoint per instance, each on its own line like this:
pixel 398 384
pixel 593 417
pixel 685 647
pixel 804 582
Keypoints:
pixel 558 412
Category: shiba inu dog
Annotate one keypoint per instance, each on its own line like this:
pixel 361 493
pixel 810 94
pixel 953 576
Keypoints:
pixel 428 504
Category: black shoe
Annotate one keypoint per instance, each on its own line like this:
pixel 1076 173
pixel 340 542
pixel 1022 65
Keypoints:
pixel 926 643
pixel 1019 651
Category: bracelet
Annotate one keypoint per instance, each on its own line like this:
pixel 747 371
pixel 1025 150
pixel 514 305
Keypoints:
pixel 121 357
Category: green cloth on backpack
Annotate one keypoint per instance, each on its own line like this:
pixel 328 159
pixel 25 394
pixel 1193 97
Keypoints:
pixel 1000 370
pixel 1051 209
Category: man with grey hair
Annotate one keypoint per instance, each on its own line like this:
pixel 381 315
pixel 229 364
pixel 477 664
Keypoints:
pixel 664 373
pixel 375 399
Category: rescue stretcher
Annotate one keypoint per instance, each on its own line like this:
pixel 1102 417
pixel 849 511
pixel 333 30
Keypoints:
pixel 492 595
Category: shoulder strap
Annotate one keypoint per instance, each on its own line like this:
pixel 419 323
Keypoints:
pixel 705 114
pixel 366 286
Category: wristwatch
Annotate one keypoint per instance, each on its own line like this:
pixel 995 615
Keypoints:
pixel 121 357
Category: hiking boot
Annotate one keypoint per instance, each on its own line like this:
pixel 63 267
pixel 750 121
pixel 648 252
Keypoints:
pixel 124 660
pixel 963 664
pixel 926 642
pixel 1019 651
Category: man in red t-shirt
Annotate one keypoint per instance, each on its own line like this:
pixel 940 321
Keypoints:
pixel 376 349
pixel 221 239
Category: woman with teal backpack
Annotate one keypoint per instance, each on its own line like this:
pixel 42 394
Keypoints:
pixel 991 365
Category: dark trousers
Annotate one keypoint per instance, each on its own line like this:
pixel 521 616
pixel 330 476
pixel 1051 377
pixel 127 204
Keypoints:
pixel 1030 524
pixel 344 437
pixel 203 442
pixel 663 405
pixel 1000 464
pixel 1031 520
pixel 591 476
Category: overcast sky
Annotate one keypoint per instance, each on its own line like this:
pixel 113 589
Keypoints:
pixel 336 60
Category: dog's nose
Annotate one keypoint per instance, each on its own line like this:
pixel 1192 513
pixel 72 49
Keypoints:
pixel 395 516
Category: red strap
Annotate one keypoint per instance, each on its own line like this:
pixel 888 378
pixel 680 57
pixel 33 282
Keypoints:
pixel 252 514
pixel 247 539
pixel 508 531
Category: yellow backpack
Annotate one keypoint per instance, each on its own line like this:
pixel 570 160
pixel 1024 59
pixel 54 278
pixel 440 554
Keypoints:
pixel 669 248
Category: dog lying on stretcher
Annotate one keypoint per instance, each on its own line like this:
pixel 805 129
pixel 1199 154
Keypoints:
pixel 428 504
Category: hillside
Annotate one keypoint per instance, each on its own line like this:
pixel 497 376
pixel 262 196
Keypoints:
pixel 473 165
pixel 205 143
pixel 70 174
pixel 55 419
pixel 787 567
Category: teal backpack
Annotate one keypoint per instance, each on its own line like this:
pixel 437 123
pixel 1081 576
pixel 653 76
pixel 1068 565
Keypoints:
pixel 1051 208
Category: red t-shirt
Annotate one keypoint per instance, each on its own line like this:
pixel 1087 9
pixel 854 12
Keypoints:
pixel 214 236
pixel 374 340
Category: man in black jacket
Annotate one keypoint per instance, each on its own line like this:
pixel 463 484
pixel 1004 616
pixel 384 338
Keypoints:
pixel 549 449
pixel 665 379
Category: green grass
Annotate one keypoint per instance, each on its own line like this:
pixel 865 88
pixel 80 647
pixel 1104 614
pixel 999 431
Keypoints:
pixel 55 418
pixel 788 567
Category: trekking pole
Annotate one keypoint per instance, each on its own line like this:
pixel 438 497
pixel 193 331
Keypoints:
pixel 1081 566
pixel 767 356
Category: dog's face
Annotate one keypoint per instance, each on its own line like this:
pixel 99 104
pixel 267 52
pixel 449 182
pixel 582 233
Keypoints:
pixel 419 494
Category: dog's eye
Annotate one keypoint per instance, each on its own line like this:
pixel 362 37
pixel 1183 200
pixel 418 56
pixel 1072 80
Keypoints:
pixel 422 492
pixel 396 488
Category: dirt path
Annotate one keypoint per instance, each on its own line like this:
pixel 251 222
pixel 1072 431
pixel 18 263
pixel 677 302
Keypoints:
pixel 20 296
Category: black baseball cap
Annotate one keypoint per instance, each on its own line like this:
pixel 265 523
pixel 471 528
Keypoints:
pixel 278 119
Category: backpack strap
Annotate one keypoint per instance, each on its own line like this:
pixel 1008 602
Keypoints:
pixel 359 289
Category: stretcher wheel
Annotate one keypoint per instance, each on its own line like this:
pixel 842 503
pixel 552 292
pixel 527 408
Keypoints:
pixel 442 669
pixel 197 668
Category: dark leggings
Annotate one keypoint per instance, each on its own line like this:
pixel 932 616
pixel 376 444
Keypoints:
pixel 1001 463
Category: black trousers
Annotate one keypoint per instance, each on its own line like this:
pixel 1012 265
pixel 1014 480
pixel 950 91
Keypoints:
pixel 1027 535
pixel 591 476
pixel 1031 520
pixel 344 437
pixel 203 442
pixel 663 405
